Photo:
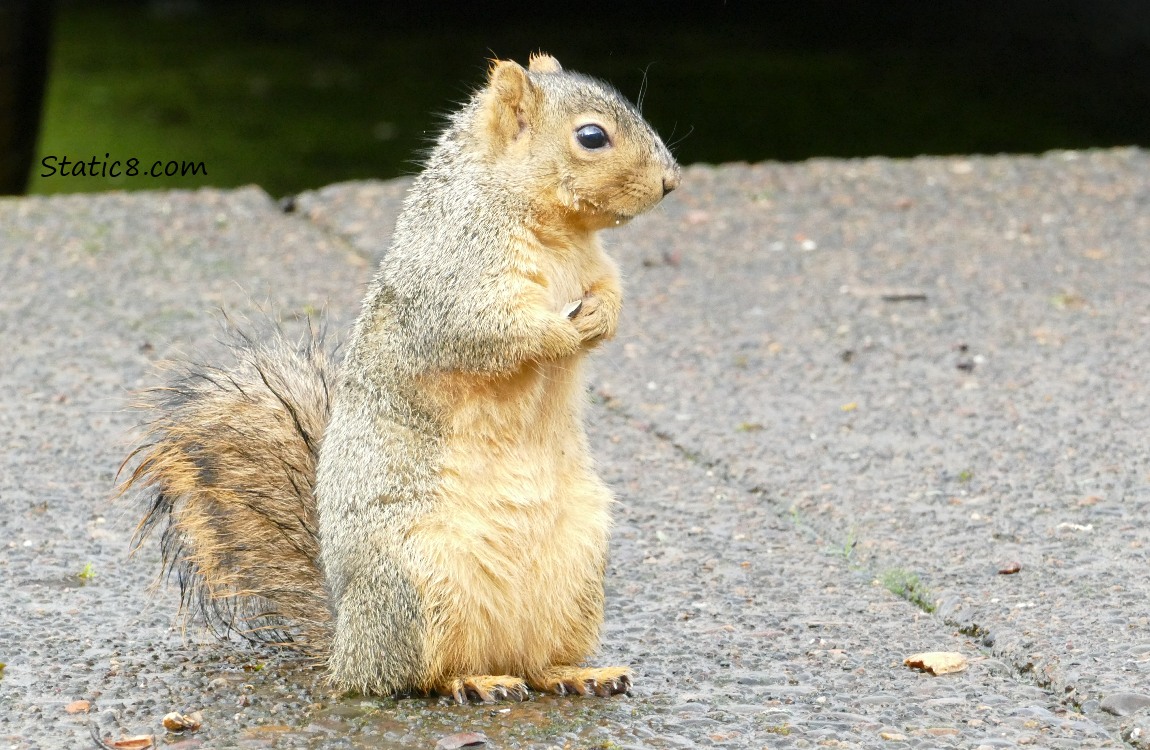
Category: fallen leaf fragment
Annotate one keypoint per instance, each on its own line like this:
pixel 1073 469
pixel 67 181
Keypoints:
pixel 139 742
pixel 78 707
pixel 937 662
pixel 178 722
pixel 463 739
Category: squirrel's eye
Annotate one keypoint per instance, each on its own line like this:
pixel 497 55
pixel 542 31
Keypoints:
pixel 592 137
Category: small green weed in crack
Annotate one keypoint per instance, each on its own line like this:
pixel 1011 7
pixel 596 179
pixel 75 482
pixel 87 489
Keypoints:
pixel 782 728
pixel 974 630
pixel 88 573
pixel 906 584
pixel 849 545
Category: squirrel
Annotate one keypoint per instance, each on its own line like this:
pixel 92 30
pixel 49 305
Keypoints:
pixel 427 518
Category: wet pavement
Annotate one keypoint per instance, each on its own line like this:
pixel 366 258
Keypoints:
pixel 845 398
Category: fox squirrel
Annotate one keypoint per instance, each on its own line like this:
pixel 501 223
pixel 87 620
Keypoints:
pixel 427 518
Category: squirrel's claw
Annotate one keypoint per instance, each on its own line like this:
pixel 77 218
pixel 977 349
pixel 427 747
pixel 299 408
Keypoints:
pixel 603 682
pixel 516 693
pixel 615 686
pixel 485 689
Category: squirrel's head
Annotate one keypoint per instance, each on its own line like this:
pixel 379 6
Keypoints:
pixel 573 145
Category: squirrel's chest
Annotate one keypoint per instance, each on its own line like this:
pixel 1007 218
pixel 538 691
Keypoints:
pixel 565 285
pixel 567 273
pixel 516 440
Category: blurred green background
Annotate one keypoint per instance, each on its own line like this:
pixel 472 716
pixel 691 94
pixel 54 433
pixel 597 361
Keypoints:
pixel 292 95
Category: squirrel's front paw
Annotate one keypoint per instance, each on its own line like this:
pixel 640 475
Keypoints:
pixel 485 688
pixel 601 681
pixel 594 318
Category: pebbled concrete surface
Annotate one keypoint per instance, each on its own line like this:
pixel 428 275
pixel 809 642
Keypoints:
pixel 831 377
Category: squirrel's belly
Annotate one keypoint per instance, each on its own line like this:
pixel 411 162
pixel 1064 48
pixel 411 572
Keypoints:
pixel 517 541
pixel 515 590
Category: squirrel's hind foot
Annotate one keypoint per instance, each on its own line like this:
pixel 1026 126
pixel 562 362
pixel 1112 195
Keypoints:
pixel 484 688
pixel 601 681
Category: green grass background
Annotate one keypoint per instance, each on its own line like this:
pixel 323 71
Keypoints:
pixel 291 97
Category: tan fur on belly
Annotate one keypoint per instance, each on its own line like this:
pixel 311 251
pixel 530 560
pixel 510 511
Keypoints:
pixel 518 534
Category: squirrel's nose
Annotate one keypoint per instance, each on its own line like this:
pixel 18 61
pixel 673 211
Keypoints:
pixel 670 181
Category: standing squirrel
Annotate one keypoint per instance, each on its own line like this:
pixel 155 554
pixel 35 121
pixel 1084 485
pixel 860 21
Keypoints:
pixel 427 518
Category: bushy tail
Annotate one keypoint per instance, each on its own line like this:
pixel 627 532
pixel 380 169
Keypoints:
pixel 227 471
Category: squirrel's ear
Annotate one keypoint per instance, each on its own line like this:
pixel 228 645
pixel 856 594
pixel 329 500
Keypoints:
pixel 543 63
pixel 511 101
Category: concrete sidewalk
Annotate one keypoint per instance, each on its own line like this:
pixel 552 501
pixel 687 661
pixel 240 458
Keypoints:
pixel 832 380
